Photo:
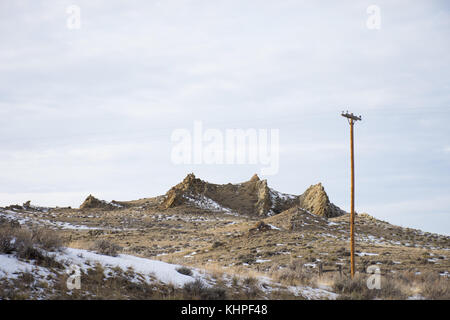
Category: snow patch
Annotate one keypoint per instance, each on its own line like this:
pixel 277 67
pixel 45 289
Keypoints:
pixel 165 272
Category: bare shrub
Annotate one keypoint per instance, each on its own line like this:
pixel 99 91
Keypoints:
pixel 194 289
pixel 250 290
pixel 6 240
pixel 107 248
pixel 198 290
pixel 294 274
pixel 439 290
pixel 353 289
pixel 26 277
pixel 184 270
pixel 435 287
pixel 247 258
pixel 47 239
pixel 9 223
pixel 215 293
pixel 14 239
pixel 20 242
pixel 286 276
pixel 357 289
pixel 217 244
pixel 250 281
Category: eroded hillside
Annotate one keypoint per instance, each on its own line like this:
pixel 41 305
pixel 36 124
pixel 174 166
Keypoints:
pixel 244 229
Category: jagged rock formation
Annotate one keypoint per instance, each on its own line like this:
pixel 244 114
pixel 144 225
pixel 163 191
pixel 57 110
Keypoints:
pixel 263 203
pixel 316 201
pixel 190 186
pixel 253 197
pixel 92 202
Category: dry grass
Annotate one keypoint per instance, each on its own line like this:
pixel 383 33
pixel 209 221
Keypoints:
pixel 25 245
pixel 197 290
pixel 47 239
pixel 357 289
pixel 395 287
pixel 292 275
pixel 226 249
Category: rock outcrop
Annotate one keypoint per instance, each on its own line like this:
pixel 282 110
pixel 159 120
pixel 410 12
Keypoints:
pixel 253 197
pixel 177 195
pixel 264 202
pixel 92 202
pixel 316 201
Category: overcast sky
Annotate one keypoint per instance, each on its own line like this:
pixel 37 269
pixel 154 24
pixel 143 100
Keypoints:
pixel 92 110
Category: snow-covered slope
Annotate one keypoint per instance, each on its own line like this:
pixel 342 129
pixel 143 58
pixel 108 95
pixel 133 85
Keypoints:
pixel 144 270
pixel 149 269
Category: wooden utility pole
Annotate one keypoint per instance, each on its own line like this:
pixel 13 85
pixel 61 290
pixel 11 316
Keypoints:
pixel 351 119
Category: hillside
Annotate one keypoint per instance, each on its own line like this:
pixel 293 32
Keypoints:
pixel 230 235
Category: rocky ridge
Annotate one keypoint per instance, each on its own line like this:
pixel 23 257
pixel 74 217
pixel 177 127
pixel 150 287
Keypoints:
pixel 253 197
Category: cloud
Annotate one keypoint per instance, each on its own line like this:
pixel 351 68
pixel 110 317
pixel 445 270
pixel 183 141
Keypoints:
pixel 94 108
